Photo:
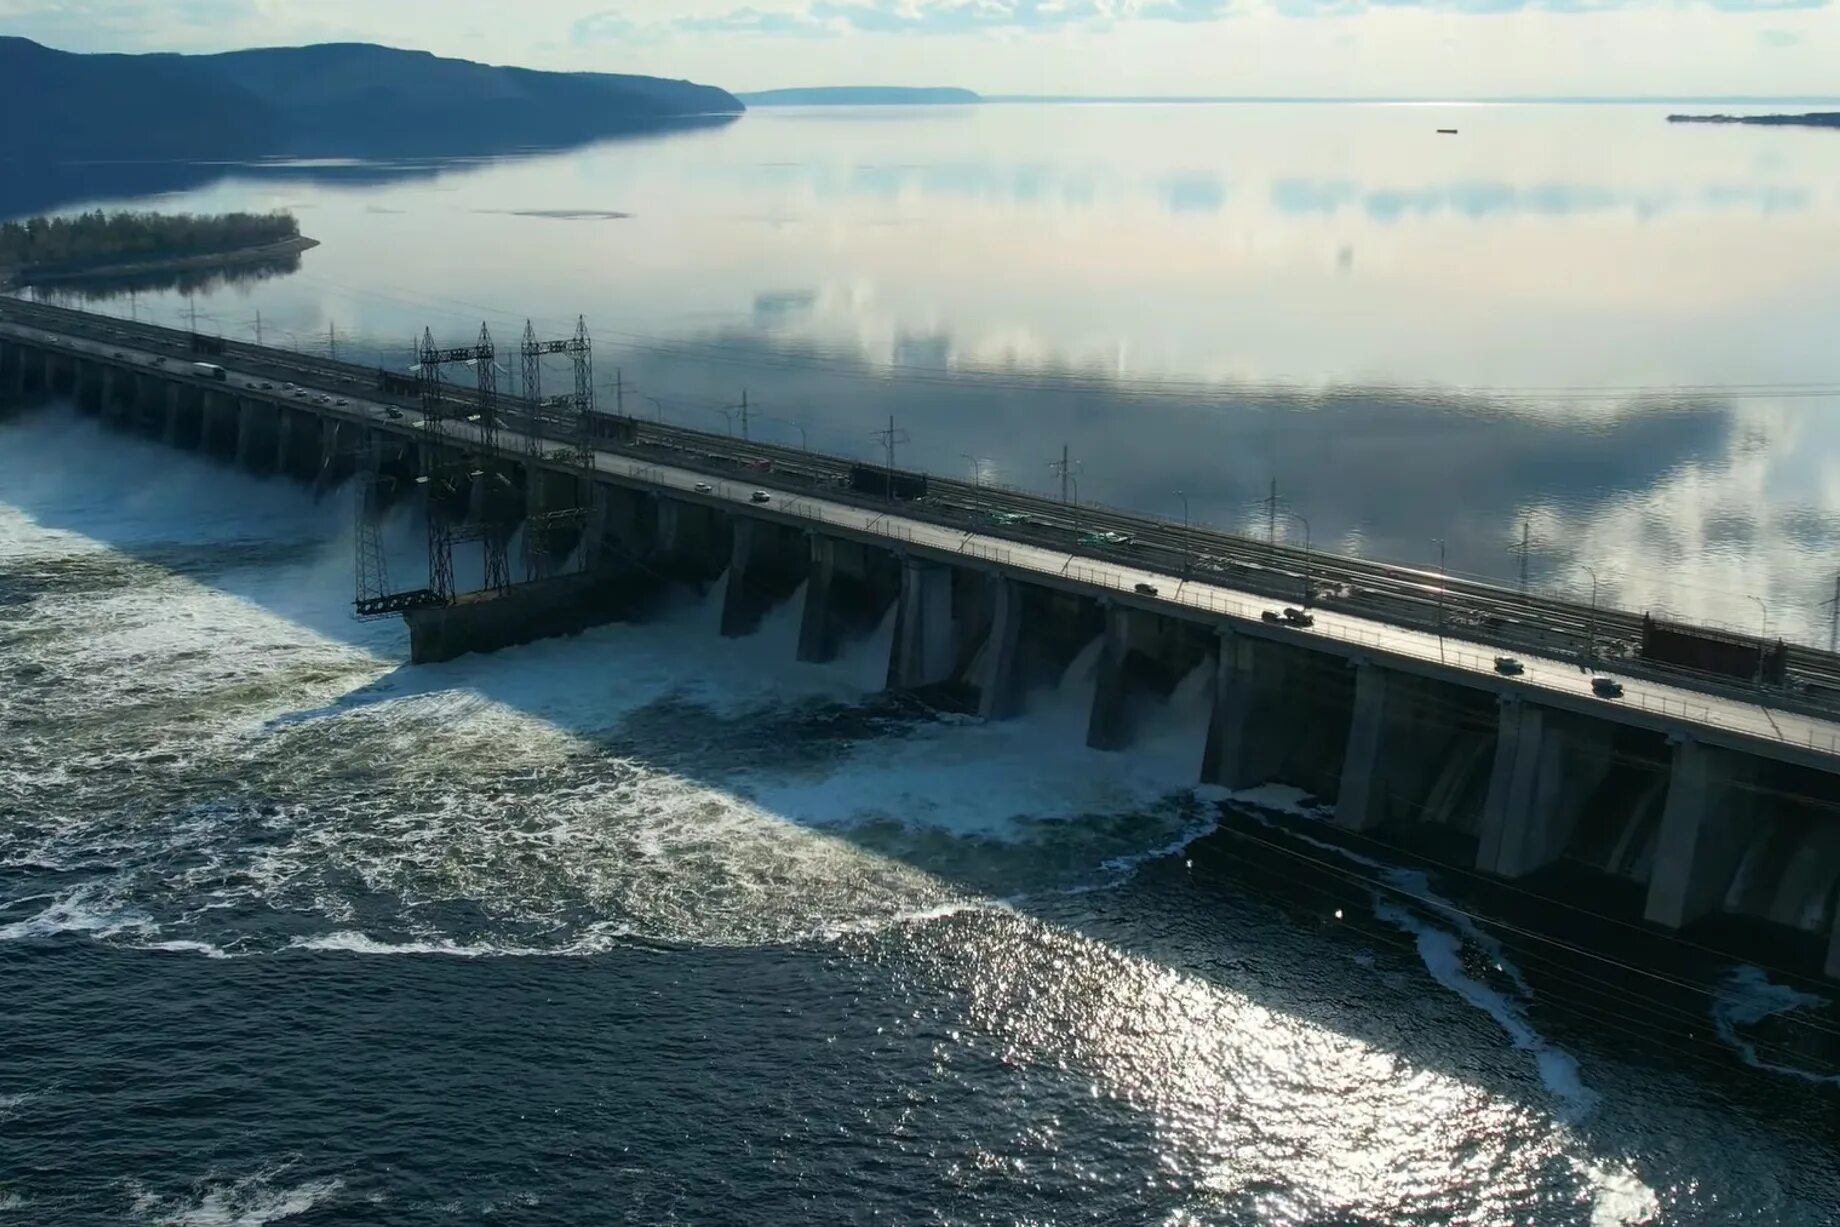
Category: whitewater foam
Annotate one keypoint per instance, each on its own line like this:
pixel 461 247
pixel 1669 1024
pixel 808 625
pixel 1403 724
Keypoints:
pixel 249 1202
pixel 1748 996
pixel 1441 950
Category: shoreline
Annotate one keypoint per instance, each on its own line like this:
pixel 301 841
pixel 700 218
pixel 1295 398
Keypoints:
pixel 1813 119
pixel 11 279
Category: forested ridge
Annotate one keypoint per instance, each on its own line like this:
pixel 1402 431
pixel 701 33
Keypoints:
pixel 98 239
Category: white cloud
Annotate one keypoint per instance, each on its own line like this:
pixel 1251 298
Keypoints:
pixel 1414 48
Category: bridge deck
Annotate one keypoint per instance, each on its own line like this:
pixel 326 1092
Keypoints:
pixel 1753 723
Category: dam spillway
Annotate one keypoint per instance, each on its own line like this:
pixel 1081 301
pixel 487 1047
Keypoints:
pixel 1402 726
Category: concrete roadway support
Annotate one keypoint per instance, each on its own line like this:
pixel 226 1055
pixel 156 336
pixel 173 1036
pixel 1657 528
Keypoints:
pixel 60 376
pixel 169 417
pixel 284 441
pixel 12 372
pixel 1372 752
pixel 817 623
pixel 218 424
pixel 1705 824
pixel 691 542
pixel 1107 726
pixel 248 434
pixel 329 464
pixel 1248 740
pixel 114 404
pixel 626 519
pixel 925 646
pixel 1402 733
pixel 766 564
pixel 86 387
pixel 35 370
pixel 1545 769
pixel 1000 687
pixel 848 590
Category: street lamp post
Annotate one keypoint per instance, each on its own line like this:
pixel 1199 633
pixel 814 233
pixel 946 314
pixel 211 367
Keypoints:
pixel 1308 588
pixel 977 483
pixel 1185 533
pixel 1763 633
pixel 1590 627
pixel 1443 583
pixel 657 406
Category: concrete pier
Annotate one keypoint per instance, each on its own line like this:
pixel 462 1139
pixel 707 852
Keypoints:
pixel 1246 744
pixel 817 623
pixel 925 645
pixel 1546 766
pixel 692 542
pixel 767 563
pixel 848 592
pixel 1374 750
pixel 1143 655
pixel 12 373
pixel 1704 826
pixel 1000 685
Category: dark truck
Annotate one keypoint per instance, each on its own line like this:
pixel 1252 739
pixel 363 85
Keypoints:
pixel 887 483
pixel 1714 652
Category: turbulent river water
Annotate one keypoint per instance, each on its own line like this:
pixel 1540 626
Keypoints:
pixel 650 926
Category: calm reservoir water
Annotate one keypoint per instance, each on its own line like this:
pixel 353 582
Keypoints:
pixel 655 927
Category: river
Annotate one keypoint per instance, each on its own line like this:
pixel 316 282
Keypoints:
pixel 650 926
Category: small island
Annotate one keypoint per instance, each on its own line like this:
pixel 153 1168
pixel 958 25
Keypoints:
pixel 1813 119
pixel 44 250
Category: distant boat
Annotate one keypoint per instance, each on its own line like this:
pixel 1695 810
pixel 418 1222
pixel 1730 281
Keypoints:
pixel 1447 131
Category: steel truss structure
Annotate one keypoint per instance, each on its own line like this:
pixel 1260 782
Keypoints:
pixel 569 417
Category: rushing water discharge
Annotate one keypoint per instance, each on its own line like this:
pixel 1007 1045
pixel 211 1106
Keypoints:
pixel 651 926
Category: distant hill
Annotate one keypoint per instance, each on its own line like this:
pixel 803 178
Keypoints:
pixel 1814 119
pixel 347 98
pixel 861 96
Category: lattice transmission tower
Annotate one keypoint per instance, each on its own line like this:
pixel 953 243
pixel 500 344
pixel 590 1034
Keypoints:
pixel 570 418
pixel 460 440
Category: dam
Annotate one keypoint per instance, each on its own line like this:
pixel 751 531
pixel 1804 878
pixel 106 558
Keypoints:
pixel 1381 693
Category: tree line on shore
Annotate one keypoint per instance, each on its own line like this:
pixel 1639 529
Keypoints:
pixel 97 238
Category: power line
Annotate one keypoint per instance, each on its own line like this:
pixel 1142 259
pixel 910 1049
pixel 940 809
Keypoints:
pixel 854 366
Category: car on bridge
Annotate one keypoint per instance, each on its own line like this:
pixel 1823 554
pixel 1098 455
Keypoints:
pixel 1104 538
pixel 1144 589
pixel 703 487
pixel 1606 688
pixel 1507 666
pixel 760 496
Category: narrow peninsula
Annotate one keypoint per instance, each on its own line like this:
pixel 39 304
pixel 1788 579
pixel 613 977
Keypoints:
pixel 44 250
pixel 861 96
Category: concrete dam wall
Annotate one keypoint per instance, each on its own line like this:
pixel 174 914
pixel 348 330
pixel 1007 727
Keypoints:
pixel 1511 784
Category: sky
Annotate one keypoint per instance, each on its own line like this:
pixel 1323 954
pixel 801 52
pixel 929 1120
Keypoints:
pixel 1280 48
